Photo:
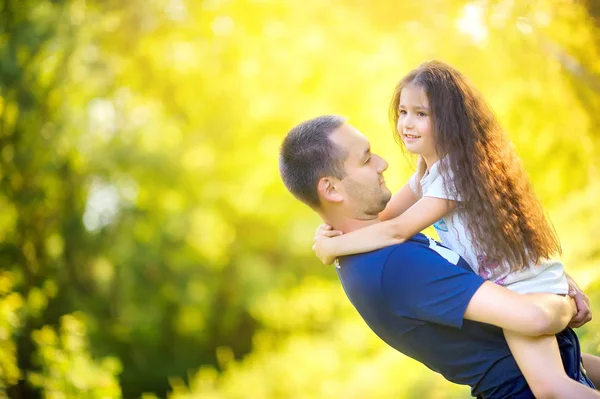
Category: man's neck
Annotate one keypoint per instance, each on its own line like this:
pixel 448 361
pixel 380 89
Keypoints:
pixel 347 224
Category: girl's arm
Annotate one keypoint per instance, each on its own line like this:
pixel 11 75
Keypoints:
pixel 400 202
pixel 422 214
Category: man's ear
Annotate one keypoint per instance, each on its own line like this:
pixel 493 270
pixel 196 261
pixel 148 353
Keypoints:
pixel 329 189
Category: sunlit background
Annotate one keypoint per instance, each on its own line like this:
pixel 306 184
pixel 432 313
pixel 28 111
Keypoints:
pixel 147 246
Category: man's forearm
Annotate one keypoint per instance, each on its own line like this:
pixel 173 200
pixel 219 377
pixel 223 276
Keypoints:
pixel 529 314
pixel 557 311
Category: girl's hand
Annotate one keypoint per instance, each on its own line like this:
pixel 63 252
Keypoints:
pixel 322 235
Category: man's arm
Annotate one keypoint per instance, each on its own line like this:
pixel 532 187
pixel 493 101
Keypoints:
pixel 529 314
pixel 421 284
pixel 584 313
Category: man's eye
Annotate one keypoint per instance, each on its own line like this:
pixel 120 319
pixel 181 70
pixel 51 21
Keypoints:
pixel 368 160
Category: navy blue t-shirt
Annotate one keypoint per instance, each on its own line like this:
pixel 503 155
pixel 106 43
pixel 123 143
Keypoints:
pixel 414 295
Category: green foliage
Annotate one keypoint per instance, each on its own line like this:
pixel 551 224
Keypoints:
pixel 10 304
pixel 313 347
pixel 139 186
pixel 67 370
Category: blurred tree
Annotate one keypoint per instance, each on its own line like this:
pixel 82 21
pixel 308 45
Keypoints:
pixel 10 304
pixel 139 185
pixel 67 371
pixel 593 8
pixel 39 221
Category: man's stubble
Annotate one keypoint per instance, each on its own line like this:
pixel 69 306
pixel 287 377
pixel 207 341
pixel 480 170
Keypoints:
pixel 368 201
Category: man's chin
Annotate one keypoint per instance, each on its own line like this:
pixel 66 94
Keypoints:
pixel 386 198
pixel 383 203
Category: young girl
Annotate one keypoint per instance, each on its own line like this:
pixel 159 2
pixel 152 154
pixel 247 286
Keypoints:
pixel 471 186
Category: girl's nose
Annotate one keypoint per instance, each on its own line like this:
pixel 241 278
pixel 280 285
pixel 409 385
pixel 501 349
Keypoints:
pixel 407 122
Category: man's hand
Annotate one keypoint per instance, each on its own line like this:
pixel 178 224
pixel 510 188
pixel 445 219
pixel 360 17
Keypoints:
pixel 584 313
pixel 322 235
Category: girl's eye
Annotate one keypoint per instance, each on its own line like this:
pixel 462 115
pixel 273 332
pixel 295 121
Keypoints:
pixel 368 160
pixel 402 112
pixel 421 114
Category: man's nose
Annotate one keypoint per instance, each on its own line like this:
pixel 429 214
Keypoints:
pixel 382 165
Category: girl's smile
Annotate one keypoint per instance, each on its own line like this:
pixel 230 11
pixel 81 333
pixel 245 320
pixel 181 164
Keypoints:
pixel 415 125
pixel 410 137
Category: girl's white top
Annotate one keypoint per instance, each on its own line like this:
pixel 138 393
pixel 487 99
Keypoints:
pixel 547 276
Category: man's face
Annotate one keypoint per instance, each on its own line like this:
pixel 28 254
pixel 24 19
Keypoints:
pixel 363 187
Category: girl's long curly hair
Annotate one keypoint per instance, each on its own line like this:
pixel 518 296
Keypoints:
pixel 502 213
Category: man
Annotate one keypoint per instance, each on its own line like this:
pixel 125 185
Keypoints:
pixel 420 297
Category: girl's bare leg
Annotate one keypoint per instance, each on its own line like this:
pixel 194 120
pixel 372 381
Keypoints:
pixel 540 362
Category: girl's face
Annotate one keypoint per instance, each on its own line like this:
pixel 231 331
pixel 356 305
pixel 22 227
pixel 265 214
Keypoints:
pixel 415 125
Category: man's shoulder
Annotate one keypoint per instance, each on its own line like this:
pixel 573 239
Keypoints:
pixel 377 257
pixel 406 252
pixel 422 255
